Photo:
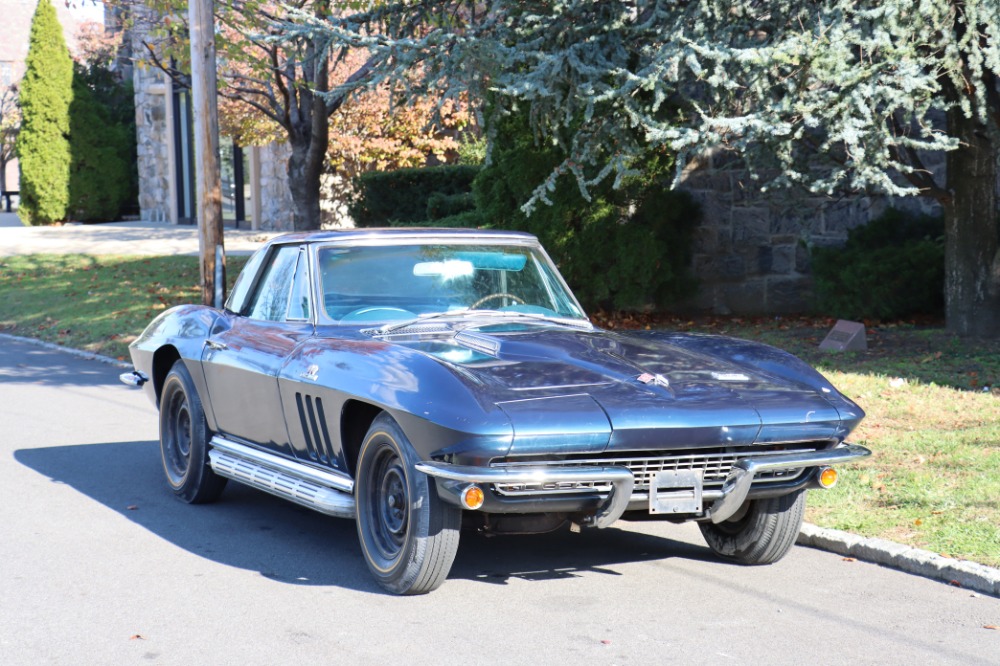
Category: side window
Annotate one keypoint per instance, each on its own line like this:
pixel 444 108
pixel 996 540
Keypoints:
pixel 270 302
pixel 238 296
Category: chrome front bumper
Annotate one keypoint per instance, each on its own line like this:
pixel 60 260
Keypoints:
pixel 611 509
pixel 734 491
pixel 737 485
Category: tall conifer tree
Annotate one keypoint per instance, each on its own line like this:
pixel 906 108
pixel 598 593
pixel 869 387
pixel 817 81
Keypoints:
pixel 43 148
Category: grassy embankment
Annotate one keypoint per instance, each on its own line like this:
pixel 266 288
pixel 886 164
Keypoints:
pixel 934 481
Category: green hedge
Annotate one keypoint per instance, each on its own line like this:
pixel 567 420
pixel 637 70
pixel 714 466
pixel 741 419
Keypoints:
pixel 893 267
pixel 624 249
pixel 402 197
pixel 628 248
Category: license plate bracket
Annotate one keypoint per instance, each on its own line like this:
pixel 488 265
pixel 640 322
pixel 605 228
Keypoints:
pixel 676 491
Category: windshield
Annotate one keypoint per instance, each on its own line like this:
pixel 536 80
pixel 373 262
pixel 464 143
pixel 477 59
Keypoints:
pixel 395 283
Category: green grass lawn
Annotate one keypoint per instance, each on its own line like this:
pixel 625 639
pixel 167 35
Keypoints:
pixel 96 303
pixel 933 400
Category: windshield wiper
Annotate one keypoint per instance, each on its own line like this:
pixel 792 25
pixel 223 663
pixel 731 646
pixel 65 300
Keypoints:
pixel 491 314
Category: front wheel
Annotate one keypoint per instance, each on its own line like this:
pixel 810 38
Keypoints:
pixel 408 535
pixel 762 532
pixel 184 438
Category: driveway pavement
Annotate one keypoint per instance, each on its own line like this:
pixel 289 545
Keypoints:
pixel 125 238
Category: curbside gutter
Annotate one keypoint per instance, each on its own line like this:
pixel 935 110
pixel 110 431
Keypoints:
pixel 79 353
pixel 961 573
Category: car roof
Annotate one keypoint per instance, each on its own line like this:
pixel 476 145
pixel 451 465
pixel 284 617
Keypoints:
pixel 400 234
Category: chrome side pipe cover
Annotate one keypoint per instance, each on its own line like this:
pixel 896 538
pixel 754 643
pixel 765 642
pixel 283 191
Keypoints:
pixel 319 490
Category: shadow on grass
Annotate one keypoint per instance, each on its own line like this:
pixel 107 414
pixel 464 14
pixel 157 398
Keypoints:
pixel 287 543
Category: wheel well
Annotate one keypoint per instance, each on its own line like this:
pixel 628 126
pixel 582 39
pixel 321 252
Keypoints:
pixel 355 420
pixel 163 359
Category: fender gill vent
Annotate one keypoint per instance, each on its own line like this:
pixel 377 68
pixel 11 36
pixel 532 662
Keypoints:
pixel 314 428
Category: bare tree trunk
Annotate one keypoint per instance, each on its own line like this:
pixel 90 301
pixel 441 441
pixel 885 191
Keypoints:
pixel 304 184
pixel 972 230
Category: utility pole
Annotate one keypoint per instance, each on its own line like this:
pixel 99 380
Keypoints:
pixel 208 185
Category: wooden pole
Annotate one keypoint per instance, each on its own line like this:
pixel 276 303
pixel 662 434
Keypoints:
pixel 208 181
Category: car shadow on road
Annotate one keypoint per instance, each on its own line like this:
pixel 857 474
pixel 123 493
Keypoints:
pixel 563 554
pixel 251 530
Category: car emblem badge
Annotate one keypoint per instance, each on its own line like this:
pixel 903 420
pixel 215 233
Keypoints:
pixel 657 380
pixel 311 373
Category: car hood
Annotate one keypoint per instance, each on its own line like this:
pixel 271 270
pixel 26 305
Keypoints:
pixel 612 390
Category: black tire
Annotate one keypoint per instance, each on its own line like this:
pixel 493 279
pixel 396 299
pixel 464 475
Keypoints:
pixel 184 438
pixel 761 533
pixel 409 537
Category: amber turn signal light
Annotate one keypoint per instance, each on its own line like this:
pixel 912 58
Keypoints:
pixel 473 497
pixel 827 477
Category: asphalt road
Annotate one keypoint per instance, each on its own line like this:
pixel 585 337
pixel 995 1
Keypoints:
pixel 99 564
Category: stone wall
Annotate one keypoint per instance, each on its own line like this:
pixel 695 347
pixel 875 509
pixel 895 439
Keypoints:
pixel 751 253
pixel 153 144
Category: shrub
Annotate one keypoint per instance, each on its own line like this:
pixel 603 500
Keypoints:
pixel 100 175
pixel 402 196
pixel 624 249
pixel 43 148
pixel 892 267
pixel 440 205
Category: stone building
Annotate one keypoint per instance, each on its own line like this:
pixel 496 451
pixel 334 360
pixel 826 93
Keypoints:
pixel 254 182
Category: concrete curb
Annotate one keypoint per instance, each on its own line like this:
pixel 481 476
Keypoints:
pixel 962 573
pixel 968 575
pixel 90 356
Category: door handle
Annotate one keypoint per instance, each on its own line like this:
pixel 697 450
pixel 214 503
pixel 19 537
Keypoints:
pixel 214 344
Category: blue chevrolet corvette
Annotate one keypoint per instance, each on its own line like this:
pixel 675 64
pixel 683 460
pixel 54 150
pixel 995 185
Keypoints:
pixel 423 381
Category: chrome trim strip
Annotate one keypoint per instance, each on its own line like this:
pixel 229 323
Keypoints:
pixel 611 510
pixel 331 479
pixel 737 485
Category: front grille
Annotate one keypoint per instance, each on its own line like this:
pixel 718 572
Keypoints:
pixel 714 464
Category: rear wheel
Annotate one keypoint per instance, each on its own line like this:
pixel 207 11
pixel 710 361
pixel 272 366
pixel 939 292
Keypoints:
pixel 408 535
pixel 762 532
pixel 184 438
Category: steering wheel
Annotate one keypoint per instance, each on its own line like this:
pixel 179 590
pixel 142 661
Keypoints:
pixel 499 294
